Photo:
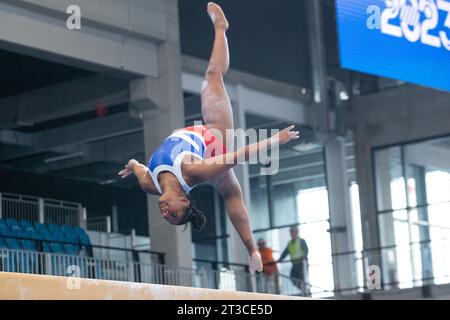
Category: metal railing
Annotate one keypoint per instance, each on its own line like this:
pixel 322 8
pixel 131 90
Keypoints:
pixel 410 265
pixel 19 207
pixel 121 264
pixel 398 267
pixel 34 209
pixel 406 270
pixel 122 270
pixel 156 273
pixel 281 284
pixel 100 224
pixel 95 251
pixel 275 283
pixel 62 212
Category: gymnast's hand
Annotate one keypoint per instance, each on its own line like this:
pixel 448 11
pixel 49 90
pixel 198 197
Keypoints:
pixel 128 168
pixel 255 262
pixel 285 135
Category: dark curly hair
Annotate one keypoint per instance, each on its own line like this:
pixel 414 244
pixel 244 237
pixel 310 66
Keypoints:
pixel 194 216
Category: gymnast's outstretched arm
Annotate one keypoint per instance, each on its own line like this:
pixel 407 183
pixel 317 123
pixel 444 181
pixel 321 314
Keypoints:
pixel 142 174
pixel 199 171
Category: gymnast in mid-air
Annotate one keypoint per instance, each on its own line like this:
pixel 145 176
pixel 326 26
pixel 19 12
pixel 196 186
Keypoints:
pixel 199 154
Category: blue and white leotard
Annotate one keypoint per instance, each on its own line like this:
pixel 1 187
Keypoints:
pixel 197 141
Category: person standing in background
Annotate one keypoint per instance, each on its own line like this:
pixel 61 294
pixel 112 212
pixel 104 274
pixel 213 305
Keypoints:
pixel 270 269
pixel 297 249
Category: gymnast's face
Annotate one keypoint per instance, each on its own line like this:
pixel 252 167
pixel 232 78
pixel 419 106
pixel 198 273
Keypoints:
pixel 172 207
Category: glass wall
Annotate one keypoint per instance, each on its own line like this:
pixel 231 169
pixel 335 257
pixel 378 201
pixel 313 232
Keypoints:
pixel 413 204
pixel 296 195
pixel 313 213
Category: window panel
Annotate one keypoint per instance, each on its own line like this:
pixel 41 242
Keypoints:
pixel 438 186
pixel 313 205
pixel 285 210
pixel 390 183
pixel 259 211
pixel 421 235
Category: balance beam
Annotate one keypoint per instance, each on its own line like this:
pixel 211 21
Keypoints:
pixel 20 286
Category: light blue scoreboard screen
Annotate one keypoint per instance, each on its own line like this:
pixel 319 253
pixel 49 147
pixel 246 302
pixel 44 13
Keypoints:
pixel 407 40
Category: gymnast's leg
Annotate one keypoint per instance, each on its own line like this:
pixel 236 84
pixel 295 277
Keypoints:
pixel 216 105
pixel 230 189
pixel 218 114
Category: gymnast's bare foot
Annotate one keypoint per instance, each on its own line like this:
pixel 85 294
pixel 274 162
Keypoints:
pixel 217 16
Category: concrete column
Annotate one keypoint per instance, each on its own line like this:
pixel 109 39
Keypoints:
pixel 341 221
pixel 369 218
pixel 159 103
pixel 319 67
pixel 236 249
pixel 386 220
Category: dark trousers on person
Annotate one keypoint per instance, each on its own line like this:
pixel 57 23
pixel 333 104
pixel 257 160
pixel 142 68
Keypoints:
pixel 297 274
